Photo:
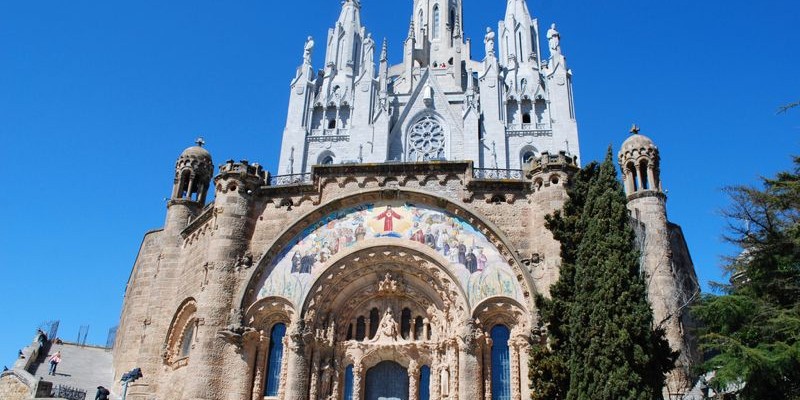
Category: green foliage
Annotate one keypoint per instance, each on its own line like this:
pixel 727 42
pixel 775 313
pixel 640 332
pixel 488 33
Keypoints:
pixel 753 330
pixel 601 341
pixel 548 361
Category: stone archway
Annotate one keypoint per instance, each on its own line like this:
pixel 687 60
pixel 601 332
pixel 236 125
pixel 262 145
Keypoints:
pixel 387 380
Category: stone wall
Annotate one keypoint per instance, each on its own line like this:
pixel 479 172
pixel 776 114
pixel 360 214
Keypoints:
pixel 12 388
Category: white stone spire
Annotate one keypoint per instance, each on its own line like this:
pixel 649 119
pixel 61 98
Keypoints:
pixel 519 35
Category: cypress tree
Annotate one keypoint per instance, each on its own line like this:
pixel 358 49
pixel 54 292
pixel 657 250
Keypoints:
pixel 548 357
pixel 600 341
pixel 615 353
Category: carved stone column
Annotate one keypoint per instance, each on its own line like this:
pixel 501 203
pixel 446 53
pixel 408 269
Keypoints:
pixel 413 380
pixel 469 382
pixel 315 366
pixel 260 367
pixel 524 368
pixel 358 381
pixel 513 350
pixel 487 368
pixel 297 365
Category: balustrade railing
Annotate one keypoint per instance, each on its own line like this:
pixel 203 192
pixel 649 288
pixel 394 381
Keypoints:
pixel 293 179
pixel 68 393
pixel 497 174
pixel 530 129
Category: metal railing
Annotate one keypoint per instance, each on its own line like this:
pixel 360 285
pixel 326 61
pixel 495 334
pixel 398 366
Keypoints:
pixel 294 179
pixel 530 129
pixel 329 132
pixel 68 393
pixel 497 174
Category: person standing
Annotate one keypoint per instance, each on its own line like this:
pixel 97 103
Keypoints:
pixel 102 393
pixel 54 360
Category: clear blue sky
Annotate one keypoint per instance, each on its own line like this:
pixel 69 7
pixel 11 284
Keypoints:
pixel 98 98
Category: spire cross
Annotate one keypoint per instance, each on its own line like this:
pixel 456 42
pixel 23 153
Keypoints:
pixel 200 142
pixel 635 129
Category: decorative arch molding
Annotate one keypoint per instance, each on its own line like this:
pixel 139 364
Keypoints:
pixel 184 323
pixel 269 311
pixel 414 273
pixel 265 265
pixel 503 311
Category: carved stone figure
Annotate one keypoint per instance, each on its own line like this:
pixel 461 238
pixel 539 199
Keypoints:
pixel 308 50
pixel 488 40
pixel 387 329
pixel 554 39
pixel 326 380
pixel 369 49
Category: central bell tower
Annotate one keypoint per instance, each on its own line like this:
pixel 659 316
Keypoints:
pixel 438 38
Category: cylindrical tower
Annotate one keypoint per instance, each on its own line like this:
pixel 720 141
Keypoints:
pixel 639 161
pixel 193 172
pixel 215 366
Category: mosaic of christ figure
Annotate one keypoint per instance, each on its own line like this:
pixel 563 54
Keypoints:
pixel 388 217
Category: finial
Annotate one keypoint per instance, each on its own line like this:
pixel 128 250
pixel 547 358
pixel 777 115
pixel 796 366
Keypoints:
pixel 635 129
pixel 200 142
pixel 384 50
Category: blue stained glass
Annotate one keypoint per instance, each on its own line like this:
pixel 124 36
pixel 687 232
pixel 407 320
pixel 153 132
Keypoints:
pixel 425 383
pixel 275 360
pixel 501 368
pixel 348 382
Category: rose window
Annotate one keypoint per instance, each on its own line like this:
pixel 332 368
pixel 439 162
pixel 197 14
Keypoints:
pixel 426 140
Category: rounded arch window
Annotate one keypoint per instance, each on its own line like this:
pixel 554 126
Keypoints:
pixel 426 140
pixel 527 155
pixel 181 335
pixel 326 158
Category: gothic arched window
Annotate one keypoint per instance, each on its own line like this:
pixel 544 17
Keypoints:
pixel 437 18
pixel 275 360
pixel 426 140
pixel 528 155
pixel 374 320
pixel 425 383
pixel 187 339
pixel 348 382
pixel 501 369
pixel 405 324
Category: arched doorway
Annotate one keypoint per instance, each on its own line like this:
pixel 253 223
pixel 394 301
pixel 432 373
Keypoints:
pixel 387 380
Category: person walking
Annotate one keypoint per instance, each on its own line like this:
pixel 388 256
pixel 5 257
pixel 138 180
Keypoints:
pixel 102 393
pixel 54 360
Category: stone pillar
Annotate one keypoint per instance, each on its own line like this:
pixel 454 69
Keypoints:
pixel 358 381
pixel 469 382
pixel 413 380
pixel 487 368
pixel 524 369
pixel 314 385
pixel 260 367
pixel 297 366
pixel 513 350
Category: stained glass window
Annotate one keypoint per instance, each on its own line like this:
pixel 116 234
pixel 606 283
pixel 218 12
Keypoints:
pixel 501 369
pixel 275 360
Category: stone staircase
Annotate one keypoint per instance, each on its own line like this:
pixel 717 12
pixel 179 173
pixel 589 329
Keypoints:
pixel 82 367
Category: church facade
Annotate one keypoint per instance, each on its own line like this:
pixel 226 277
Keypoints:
pixel 398 250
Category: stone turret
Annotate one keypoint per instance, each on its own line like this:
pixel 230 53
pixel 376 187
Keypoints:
pixel 216 361
pixel 664 275
pixel 193 172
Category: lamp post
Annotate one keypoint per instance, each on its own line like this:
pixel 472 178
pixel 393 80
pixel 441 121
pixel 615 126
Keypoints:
pixel 129 377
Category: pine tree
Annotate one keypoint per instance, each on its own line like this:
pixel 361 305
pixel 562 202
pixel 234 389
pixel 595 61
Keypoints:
pixel 601 344
pixel 753 330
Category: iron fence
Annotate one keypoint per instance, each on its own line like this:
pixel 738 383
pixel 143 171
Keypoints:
pixel 294 179
pixel 497 174
pixel 69 393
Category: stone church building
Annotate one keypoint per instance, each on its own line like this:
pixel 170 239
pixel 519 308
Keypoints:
pixel 397 250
